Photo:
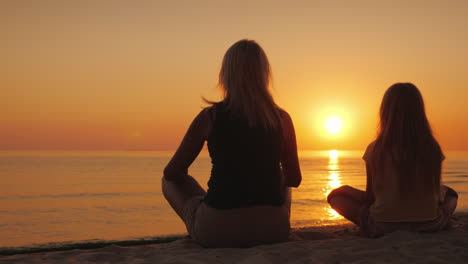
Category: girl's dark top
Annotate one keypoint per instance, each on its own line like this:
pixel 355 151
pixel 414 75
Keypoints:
pixel 246 163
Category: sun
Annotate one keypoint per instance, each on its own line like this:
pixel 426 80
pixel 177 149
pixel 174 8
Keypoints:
pixel 333 125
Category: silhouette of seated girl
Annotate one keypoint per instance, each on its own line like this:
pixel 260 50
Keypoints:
pixel 403 166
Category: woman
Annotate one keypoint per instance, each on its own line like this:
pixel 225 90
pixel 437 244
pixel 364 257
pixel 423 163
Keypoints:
pixel 252 146
pixel 403 172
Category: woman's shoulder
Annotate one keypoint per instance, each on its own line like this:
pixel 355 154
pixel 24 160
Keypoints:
pixel 213 108
pixel 208 113
pixel 209 109
pixel 286 121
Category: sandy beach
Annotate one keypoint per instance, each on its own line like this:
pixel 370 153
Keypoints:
pixel 326 244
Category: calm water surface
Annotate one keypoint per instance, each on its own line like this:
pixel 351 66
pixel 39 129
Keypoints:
pixel 75 196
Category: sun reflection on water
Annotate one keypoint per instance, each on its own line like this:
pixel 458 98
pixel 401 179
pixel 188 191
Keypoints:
pixel 334 181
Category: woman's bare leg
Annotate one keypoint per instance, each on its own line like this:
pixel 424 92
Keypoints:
pixel 348 202
pixel 178 193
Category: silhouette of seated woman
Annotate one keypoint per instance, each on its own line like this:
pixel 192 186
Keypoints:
pixel 253 151
pixel 403 166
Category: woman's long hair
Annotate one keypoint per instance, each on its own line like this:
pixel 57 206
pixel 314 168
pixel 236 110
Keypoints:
pixel 405 136
pixel 245 77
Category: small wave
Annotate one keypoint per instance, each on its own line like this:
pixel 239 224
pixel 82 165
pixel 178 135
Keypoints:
pixel 308 201
pixel 461 176
pixel 452 172
pixel 454 182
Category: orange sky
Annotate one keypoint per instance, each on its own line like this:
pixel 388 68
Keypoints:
pixel 130 75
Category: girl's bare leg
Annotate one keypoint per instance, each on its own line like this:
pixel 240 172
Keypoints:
pixel 450 198
pixel 348 202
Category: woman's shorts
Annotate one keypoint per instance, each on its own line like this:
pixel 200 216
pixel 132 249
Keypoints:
pixel 239 227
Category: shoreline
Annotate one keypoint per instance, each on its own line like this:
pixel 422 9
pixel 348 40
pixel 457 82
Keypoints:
pixel 297 233
pixel 87 244
pixel 323 244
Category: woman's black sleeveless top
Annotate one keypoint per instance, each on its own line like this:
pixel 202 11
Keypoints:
pixel 246 163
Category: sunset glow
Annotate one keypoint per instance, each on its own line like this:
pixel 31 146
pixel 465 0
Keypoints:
pixel 125 123
pixel 111 80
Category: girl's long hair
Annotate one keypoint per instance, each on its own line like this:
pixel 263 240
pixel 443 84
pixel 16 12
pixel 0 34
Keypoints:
pixel 245 78
pixel 405 136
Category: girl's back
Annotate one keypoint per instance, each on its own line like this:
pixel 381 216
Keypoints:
pixel 392 203
pixel 405 159
pixel 403 173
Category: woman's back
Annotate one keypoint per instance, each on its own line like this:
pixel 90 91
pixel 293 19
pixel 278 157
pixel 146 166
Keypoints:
pixel 246 163
pixel 248 138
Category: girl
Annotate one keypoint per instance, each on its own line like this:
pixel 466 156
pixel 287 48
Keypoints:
pixel 403 172
pixel 253 150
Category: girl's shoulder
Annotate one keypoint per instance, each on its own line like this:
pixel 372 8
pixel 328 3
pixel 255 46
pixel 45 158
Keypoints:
pixel 369 151
pixel 283 114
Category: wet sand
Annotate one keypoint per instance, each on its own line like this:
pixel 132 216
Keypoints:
pixel 325 244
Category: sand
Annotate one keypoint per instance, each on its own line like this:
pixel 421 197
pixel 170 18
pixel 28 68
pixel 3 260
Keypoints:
pixel 327 244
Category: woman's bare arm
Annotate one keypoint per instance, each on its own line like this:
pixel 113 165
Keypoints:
pixel 289 158
pixel 369 192
pixel 190 147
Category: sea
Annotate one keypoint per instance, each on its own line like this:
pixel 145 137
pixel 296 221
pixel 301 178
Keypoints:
pixel 50 198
